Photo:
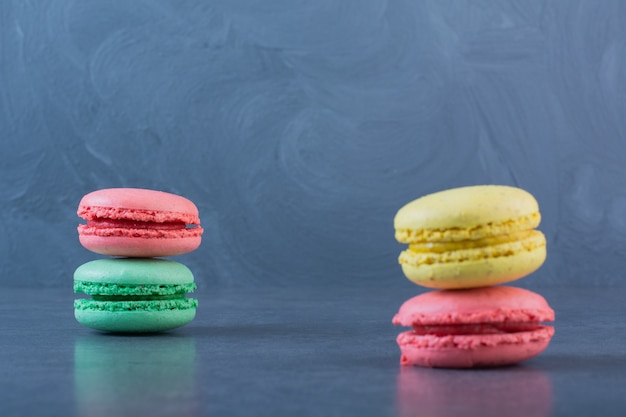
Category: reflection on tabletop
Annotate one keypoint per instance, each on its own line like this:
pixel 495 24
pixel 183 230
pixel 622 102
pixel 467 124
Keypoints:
pixel 510 391
pixel 136 375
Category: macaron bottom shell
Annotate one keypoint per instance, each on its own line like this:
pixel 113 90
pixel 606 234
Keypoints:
pixel 134 316
pixel 472 351
pixel 140 246
pixel 475 273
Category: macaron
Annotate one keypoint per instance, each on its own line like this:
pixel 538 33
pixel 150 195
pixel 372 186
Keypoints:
pixel 480 327
pixel 470 237
pixel 137 222
pixel 134 295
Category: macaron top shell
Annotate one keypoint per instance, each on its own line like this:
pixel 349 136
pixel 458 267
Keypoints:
pixel 134 271
pixel 498 304
pixel 473 212
pixel 139 205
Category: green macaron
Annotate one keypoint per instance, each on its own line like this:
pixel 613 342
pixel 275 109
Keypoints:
pixel 134 295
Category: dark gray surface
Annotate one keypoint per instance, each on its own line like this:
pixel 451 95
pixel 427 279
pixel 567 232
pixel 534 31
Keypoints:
pixel 287 351
pixel 300 127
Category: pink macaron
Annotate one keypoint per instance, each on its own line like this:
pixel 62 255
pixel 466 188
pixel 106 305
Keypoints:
pixel 480 327
pixel 137 222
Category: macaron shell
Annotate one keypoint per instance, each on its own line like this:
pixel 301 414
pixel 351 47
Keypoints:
pixel 480 305
pixel 134 271
pixel 468 207
pixel 134 321
pixel 470 351
pixel 134 246
pixel 137 204
pixel 474 273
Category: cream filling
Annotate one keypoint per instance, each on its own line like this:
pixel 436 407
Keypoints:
pixel 491 247
pixel 481 231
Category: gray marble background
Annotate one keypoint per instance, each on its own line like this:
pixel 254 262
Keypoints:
pixel 300 127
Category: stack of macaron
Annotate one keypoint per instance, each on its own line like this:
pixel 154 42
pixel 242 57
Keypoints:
pixel 463 242
pixel 133 290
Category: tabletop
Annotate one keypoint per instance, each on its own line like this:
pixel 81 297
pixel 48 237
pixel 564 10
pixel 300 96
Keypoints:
pixel 306 351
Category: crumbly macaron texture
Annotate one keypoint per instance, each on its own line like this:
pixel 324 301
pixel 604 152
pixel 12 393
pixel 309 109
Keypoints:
pixel 475 266
pixel 469 342
pixel 426 254
pixel 86 231
pixel 472 351
pixel 127 290
pixel 147 304
pixel 467 213
pixel 495 304
pixel 137 204
pixel 134 272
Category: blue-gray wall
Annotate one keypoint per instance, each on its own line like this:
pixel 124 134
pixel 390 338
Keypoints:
pixel 300 127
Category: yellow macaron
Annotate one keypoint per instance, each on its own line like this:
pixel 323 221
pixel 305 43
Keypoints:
pixel 470 237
